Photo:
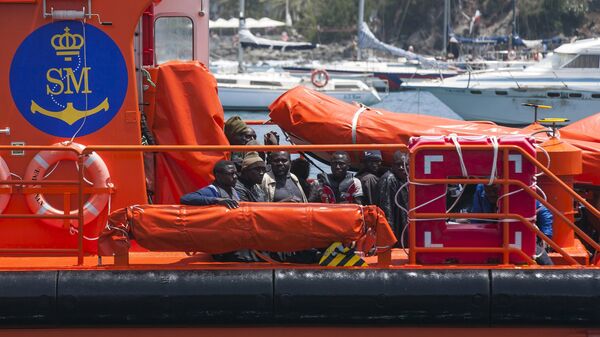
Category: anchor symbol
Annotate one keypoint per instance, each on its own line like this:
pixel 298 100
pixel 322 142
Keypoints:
pixel 69 114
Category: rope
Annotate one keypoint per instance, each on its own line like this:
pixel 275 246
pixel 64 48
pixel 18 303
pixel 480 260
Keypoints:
pixel 85 93
pixel 463 167
pixel 147 76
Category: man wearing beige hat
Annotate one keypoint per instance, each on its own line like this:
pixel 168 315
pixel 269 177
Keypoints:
pixel 248 184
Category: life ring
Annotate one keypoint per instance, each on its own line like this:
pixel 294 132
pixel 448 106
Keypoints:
pixel 319 78
pixel 512 55
pixel 97 173
pixel 4 175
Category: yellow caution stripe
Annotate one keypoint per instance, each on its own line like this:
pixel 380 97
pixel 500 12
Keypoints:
pixel 336 255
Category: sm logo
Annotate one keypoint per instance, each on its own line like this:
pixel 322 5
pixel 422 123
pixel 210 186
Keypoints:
pixel 68 78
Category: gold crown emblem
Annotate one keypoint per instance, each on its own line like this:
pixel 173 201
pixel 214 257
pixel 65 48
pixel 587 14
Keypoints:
pixel 67 44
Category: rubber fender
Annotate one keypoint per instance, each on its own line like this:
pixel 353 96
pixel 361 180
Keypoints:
pixel 383 296
pixel 28 297
pixel 556 297
pixel 165 297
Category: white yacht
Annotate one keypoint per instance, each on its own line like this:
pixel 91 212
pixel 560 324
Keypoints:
pixel 256 91
pixel 568 80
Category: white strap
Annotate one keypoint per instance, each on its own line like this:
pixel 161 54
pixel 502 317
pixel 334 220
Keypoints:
pixel 494 142
pixel 463 167
pixel 355 121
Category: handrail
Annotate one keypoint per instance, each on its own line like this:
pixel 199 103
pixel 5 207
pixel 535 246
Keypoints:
pixel 505 182
pixel 79 217
pixel 334 147
pixel 531 159
pixel 245 148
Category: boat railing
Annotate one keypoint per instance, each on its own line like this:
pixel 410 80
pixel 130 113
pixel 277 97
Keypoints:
pixel 505 182
pixel 79 187
pixel 67 188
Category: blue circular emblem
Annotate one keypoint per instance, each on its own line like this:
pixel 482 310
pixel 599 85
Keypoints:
pixel 68 78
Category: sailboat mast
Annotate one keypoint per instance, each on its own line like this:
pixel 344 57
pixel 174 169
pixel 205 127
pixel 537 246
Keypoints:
pixel 242 25
pixel 361 16
pixel 514 17
pixel 446 25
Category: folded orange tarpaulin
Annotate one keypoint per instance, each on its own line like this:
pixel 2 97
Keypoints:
pixel 184 109
pixel 278 227
pixel 311 117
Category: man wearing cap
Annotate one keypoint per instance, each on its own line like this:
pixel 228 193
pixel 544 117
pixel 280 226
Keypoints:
pixel 220 192
pixel 237 132
pixel 368 176
pixel 248 184
pixel 389 195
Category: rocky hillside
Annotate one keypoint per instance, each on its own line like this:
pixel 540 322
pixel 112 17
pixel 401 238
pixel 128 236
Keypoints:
pixel 419 23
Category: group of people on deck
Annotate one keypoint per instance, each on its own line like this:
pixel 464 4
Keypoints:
pixel 256 177
pixel 246 177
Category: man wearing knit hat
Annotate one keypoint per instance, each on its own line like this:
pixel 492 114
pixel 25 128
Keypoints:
pixel 237 132
pixel 248 184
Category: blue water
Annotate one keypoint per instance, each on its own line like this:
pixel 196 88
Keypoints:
pixel 405 101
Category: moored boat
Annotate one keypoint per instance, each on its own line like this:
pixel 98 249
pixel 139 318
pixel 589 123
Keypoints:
pixel 256 91
pixel 568 81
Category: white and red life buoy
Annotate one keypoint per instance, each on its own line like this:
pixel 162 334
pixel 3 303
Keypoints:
pixel 4 175
pixel 319 78
pixel 97 173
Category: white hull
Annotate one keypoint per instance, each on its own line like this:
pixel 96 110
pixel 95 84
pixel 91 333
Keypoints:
pixel 568 80
pixel 504 106
pixel 259 99
pixel 256 91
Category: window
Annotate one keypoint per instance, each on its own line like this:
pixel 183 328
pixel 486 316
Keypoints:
pixel 584 61
pixel 173 39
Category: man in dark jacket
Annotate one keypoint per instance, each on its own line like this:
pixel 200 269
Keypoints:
pixel 369 177
pixel 389 195
pixel 220 192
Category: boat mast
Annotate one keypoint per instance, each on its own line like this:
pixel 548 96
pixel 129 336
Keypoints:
pixel 513 32
pixel 242 25
pixel 361 15
pixel 514 13
pixel 446 25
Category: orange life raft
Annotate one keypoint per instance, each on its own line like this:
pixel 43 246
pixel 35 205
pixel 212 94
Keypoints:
pixel 281 227
pixel 310 117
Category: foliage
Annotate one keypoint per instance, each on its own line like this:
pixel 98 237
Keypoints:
pixel 394 21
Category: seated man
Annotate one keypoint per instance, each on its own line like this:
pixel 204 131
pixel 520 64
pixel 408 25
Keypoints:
pixel 388 197
pixel 279 184
pixel 369 175
pixel 340 187
pixel 248 184
pixel 485 200
pixel 220 192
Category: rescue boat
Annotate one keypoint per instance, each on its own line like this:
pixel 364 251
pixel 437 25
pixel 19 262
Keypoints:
pixel 82 247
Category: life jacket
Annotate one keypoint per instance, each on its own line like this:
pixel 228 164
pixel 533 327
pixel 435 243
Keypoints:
pixel 345 191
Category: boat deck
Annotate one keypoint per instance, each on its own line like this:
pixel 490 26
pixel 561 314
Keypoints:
pixel 200 261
